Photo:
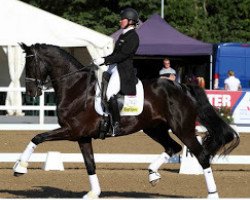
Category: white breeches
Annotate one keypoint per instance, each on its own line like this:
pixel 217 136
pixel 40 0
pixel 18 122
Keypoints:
pixel 114 83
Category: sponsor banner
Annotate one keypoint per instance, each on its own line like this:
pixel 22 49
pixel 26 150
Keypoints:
pixel 238 101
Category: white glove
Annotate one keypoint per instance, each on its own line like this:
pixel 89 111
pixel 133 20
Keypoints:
pixel 98 61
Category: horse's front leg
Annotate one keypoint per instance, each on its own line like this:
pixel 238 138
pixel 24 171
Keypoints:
pixel 21 164
pixel 88 156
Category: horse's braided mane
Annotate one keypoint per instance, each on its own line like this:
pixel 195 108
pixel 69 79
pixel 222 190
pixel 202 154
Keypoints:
pixel 66 55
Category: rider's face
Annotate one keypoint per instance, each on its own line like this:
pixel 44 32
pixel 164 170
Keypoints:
pixel 123 23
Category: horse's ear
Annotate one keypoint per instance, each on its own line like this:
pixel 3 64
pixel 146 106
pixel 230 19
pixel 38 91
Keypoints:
pixel 23 46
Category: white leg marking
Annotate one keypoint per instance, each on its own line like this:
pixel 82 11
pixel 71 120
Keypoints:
pixel 211 186
pixel 154 176
pixel 95 188
pixel 155 165
pixel 22 163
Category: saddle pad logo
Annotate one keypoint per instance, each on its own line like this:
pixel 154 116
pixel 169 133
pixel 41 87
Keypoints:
pixel 130 104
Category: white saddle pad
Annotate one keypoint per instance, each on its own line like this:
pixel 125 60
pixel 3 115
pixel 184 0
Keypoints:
pixel 133 105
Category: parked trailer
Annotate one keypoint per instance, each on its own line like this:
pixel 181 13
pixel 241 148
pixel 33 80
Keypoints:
pixel 232 56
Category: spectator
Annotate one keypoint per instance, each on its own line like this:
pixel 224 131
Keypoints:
pixel 167 71
pixel 201 81
pixel 232 83
pixel 200 73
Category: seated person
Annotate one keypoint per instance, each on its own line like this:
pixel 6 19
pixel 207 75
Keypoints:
pixel 167 71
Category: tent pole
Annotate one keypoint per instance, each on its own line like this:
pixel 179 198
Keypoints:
pixel 162 9
pixel 211 72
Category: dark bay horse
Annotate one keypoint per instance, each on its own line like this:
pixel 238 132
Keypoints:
pixel 166 106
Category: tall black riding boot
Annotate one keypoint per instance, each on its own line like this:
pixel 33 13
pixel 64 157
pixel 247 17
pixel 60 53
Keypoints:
pixel 115 115
pixel 104 86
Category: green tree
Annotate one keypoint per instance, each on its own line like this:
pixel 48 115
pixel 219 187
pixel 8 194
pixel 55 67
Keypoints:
pixel 208 20
pixel 231 19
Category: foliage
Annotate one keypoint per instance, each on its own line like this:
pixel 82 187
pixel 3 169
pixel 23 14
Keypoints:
pixel 226 113
pixel 208 20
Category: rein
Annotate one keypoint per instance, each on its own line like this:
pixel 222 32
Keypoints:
pixel 39 83
pixel 72 73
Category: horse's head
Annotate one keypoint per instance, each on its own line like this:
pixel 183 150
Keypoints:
pixel 51 61
pixel 36 70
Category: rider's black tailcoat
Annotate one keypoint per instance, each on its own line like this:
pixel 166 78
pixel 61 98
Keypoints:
pixel 124 51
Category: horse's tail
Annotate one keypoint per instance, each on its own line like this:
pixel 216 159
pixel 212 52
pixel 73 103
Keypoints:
pixel 221 136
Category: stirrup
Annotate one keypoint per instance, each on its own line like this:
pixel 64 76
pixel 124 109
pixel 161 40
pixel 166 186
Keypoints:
pixel 116 130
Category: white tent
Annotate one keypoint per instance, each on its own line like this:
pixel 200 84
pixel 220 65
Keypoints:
pixel 21 22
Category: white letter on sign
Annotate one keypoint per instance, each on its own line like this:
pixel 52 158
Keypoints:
pixel 226 100
pixel 218 100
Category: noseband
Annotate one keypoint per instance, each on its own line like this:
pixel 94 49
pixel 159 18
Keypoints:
pixel 38 82
pixel 89 68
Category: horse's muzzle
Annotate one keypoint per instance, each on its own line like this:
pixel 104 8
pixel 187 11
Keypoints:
pixel 34 93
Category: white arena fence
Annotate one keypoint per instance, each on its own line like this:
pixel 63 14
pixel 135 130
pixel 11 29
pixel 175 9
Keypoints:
pixel 56 160
pixel 119 158
pixel 41 125
pixel 74 157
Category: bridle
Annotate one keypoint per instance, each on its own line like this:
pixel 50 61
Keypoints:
pixel 40 83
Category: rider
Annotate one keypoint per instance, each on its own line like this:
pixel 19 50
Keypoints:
pixel 123 75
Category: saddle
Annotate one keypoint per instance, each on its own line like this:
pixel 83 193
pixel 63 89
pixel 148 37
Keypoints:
pixel 129 106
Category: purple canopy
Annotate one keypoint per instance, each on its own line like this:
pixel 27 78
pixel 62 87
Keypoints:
pixel 159 38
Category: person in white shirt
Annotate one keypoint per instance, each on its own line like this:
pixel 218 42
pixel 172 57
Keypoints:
pixel 167 71
pixel 232 83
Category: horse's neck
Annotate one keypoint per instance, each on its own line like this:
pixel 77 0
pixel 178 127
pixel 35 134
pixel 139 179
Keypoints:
pixel 67 79
pixel 61 70
pixel 71 85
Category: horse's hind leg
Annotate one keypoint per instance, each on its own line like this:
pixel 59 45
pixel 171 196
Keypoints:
pixel 204 159
pixel 21 164
pixel 189 138
pixel 160 134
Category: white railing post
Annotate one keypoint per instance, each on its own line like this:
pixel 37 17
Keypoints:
pixel 41 108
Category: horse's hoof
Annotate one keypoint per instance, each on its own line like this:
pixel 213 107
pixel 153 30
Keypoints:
pixel 154 178
pixel 154 182
pixel 213 195
pixel 20 168
pixel 17 174
pixel 91 195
